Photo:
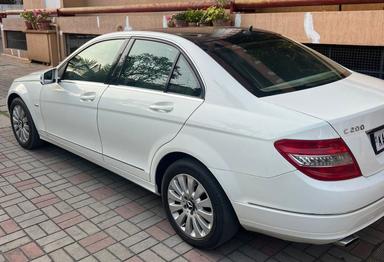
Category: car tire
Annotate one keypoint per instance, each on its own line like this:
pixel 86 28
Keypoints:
pixel 23 126
pixel 203 219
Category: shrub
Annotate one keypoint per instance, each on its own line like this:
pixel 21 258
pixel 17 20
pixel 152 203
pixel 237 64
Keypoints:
pixel 194 16
pixel 182 16
pixel 215 13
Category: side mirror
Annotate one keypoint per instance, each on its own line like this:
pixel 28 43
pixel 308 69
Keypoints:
pixel 49 77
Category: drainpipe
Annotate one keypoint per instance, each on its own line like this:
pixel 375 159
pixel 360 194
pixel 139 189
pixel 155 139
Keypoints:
pixel 58 39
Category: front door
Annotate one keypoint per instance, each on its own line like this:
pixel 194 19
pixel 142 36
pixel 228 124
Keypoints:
pixel 69 107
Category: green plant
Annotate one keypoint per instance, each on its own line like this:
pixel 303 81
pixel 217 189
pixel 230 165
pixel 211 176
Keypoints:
pixel 194 16
pixel 41 15
pixel 28 16
pixel 182 16
pixel 36 16
pixel 179 20
pixel 215 13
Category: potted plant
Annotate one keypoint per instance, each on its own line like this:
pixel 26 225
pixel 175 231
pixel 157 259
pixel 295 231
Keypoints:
pixel 217 16
pixel 29 19
pixel 193 17
pixel 42 19
pixel 170 21
pixel 179 19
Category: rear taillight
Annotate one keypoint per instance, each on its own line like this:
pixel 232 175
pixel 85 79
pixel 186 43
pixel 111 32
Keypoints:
pixel 327 160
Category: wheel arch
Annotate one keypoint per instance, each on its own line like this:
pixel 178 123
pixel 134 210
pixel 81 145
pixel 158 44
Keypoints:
pixel 20 90
pixel 172 157
pixel 184 146
pixel 11 97
pixel 23 96
pixel 166 161
pixel 29 93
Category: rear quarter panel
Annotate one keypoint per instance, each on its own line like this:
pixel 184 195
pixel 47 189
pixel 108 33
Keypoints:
pixel 234 144
pixel 243 141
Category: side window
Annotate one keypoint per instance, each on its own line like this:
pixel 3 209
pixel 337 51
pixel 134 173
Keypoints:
pixel 148 65
pixel 184 80
pixel 94 63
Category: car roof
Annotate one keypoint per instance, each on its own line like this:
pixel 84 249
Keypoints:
pixel 197 35
pixel 201 35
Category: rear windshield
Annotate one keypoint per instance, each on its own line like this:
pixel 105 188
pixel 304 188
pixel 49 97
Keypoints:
pixel 268 64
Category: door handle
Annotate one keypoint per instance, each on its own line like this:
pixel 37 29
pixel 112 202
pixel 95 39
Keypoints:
pixel 88 97
pixel 162 107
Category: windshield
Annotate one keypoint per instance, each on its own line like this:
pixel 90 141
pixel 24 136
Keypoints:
pixel 268 64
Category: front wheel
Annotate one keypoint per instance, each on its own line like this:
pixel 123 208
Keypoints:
pixel 22 125
pixel 196 205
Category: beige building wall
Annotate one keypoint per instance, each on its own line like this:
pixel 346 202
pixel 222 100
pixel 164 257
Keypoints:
pixel 341 28
pixel 334 24
pixel 32 4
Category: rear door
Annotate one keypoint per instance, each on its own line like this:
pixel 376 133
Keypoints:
pixel 153 96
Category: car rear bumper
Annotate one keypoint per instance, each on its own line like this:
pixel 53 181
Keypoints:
pixel 297 193
pixel 295 207
pixel 308 228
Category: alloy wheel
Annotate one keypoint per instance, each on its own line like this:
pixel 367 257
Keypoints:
pixel 190 206
pixel 20 124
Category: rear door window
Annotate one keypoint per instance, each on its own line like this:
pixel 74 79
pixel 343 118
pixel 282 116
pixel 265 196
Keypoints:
pixel 148 65
pixel 183 80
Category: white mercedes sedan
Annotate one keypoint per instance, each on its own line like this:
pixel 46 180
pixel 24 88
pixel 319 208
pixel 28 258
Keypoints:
pixel 231 127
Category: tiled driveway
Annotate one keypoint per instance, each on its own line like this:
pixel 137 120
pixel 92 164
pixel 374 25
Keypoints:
pixel 57 206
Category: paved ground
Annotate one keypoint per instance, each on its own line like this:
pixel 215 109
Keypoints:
pixel 57 206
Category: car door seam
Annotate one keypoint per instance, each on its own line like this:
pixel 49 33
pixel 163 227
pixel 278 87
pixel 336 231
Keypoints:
pixel 97 121
pixel 177 133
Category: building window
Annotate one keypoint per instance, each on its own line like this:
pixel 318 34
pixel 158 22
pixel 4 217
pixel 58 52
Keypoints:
pixel 11 2
pixel 15 40
pixel 363 59
pixel 74 41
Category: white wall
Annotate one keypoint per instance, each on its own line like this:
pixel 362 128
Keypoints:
pixel 52 4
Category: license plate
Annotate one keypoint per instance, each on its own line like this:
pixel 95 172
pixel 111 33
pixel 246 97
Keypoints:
pixel 377 140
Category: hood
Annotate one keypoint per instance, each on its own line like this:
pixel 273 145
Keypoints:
pixel 35 76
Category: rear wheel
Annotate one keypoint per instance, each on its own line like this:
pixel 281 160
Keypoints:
pixel 22 125
pixel 196 205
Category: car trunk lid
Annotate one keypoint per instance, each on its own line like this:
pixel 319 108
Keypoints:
pixel 354 107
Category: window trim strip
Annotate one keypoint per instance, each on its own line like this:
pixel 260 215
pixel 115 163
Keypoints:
pixel 172 69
